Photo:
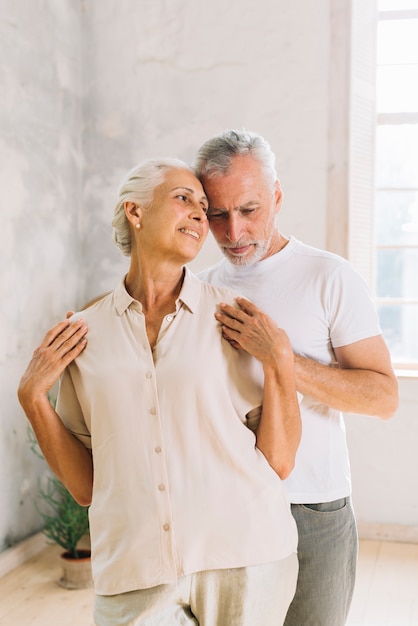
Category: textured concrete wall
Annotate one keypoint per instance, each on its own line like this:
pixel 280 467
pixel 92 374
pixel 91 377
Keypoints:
pixel 41 157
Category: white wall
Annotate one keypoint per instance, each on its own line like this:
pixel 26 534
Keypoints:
pixel 385 468
pixel 88 90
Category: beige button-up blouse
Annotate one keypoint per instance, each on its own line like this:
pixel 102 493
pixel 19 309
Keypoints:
pixel 179 485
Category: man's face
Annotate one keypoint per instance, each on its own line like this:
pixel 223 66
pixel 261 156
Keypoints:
pixel 242 209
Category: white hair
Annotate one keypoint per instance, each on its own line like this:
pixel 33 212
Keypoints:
pixel 214 158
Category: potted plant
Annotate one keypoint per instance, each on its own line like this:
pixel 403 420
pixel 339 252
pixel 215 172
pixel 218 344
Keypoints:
pixel 65 523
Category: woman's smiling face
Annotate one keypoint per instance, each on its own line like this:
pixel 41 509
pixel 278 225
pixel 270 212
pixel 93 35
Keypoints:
pixel 175 225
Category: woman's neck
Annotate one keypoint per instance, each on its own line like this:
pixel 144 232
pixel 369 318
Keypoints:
pixel 157 289
pixel 157 292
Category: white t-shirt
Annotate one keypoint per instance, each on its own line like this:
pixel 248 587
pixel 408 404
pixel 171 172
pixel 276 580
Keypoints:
pixel 179 485
pixel 320 301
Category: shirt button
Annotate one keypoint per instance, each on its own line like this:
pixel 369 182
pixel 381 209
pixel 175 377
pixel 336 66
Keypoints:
pixel 157 449
pixel 169 318
pixel 148 375
pixel 166 527
pixel 153 411
pixel 161 487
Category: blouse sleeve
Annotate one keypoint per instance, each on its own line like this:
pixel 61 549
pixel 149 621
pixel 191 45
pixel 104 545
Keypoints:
pixel 69 410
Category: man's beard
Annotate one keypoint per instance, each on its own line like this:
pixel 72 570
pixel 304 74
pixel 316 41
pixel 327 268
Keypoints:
pixel 260 249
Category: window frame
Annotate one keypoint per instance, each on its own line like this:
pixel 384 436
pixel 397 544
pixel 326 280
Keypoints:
pixel 352 138
pixel 395 119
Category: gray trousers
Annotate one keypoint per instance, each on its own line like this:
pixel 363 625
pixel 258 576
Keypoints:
pixel 248 596
pixel 328 548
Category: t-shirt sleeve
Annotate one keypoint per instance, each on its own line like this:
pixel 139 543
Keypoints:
pixel 352 312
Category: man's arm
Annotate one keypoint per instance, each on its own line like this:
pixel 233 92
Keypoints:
pixel 279 430
pixel 68 458
pixel 363 382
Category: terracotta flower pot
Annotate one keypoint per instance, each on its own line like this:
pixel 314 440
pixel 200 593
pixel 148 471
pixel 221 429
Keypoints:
pixel 76 572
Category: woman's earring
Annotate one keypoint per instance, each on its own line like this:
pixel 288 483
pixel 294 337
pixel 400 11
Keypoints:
pixel 138 225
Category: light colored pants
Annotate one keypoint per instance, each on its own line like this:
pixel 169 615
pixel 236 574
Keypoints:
pixel 248 596
pixel 328 547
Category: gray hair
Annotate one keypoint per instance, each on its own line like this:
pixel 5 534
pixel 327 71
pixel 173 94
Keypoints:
pixel 214 157
pixel 138 187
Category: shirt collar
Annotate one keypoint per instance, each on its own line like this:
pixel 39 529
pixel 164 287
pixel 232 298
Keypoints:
pixel 189 294
pixel 190 291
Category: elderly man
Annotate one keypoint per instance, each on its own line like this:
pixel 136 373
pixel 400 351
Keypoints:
pixel 341 360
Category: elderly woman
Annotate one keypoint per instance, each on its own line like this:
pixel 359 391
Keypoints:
pixel 189 434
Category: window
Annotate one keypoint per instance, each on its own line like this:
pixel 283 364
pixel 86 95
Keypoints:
pixel 396 178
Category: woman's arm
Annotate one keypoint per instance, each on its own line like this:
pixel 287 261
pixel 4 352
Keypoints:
pixel 279 430
pixel 68 458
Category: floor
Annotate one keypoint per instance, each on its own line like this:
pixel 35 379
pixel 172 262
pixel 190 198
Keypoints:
pixel 386 592
pixel 31 596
